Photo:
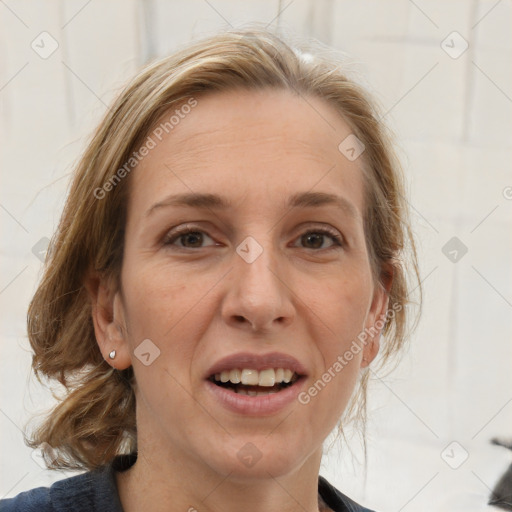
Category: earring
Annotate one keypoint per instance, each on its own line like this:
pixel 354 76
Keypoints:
pixel 112 354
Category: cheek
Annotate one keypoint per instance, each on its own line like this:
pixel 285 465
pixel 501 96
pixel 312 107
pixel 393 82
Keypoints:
pixel 329 391
pixel 341 303
pixel 340 309
pixel 172 313
pixel 157 303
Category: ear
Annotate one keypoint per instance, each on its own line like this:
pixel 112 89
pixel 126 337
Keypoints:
pixel 377 315
pixel 108 318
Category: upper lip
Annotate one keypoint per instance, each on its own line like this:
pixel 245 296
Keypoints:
pixel 247 360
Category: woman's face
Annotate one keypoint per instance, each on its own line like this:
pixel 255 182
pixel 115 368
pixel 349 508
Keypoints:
pixel 273 273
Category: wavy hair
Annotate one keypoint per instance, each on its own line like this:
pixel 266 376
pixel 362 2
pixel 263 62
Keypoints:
pixel 94 419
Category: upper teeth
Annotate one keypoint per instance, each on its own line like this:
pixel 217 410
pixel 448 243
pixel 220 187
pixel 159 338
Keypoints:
pixel 251 377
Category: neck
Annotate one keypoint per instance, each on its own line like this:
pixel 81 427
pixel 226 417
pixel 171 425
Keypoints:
pixel 170 481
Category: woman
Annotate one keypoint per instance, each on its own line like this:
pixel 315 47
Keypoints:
pixel 231 250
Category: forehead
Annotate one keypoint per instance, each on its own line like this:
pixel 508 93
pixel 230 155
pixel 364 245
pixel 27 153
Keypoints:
pixel 249 143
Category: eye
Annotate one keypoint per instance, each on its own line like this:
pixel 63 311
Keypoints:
pixel 188 238
pixel 194 238
pixel 315 239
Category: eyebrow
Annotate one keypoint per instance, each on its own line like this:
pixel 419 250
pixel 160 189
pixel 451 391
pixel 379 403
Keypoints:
pixel 216 202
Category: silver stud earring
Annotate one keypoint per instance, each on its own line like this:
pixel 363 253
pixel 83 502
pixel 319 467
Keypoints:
pixel 112 354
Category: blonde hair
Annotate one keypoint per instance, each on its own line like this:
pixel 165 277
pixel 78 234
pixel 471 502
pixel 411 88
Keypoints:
pixel 95 419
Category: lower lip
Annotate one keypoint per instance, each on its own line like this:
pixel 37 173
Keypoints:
pixel 255 405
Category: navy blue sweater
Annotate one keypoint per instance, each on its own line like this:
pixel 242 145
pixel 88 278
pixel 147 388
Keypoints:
pixel 96 491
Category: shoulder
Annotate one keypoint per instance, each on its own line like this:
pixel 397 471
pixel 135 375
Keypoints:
pixel 29 501
pixel 91 491
pixel 336 500
pixel 73 493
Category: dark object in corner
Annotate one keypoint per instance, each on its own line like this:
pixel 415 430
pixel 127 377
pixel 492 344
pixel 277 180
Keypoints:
pixel 502 493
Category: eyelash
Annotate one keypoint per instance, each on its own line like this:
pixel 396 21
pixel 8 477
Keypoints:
pixel 337 239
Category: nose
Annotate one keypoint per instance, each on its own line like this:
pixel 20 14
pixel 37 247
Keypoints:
pixel 259 295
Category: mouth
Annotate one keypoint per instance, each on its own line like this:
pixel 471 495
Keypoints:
pixel 251 382
pixel 256 384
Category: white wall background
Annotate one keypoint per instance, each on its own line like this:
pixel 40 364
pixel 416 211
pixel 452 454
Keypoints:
pixel 453 120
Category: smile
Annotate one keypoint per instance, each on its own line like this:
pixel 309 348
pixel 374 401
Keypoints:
pixel 252 382
pixel 255 384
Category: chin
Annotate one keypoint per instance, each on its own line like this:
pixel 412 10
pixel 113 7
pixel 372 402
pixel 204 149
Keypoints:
pixel 257 458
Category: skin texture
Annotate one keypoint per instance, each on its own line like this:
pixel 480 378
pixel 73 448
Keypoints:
pixel 309 298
